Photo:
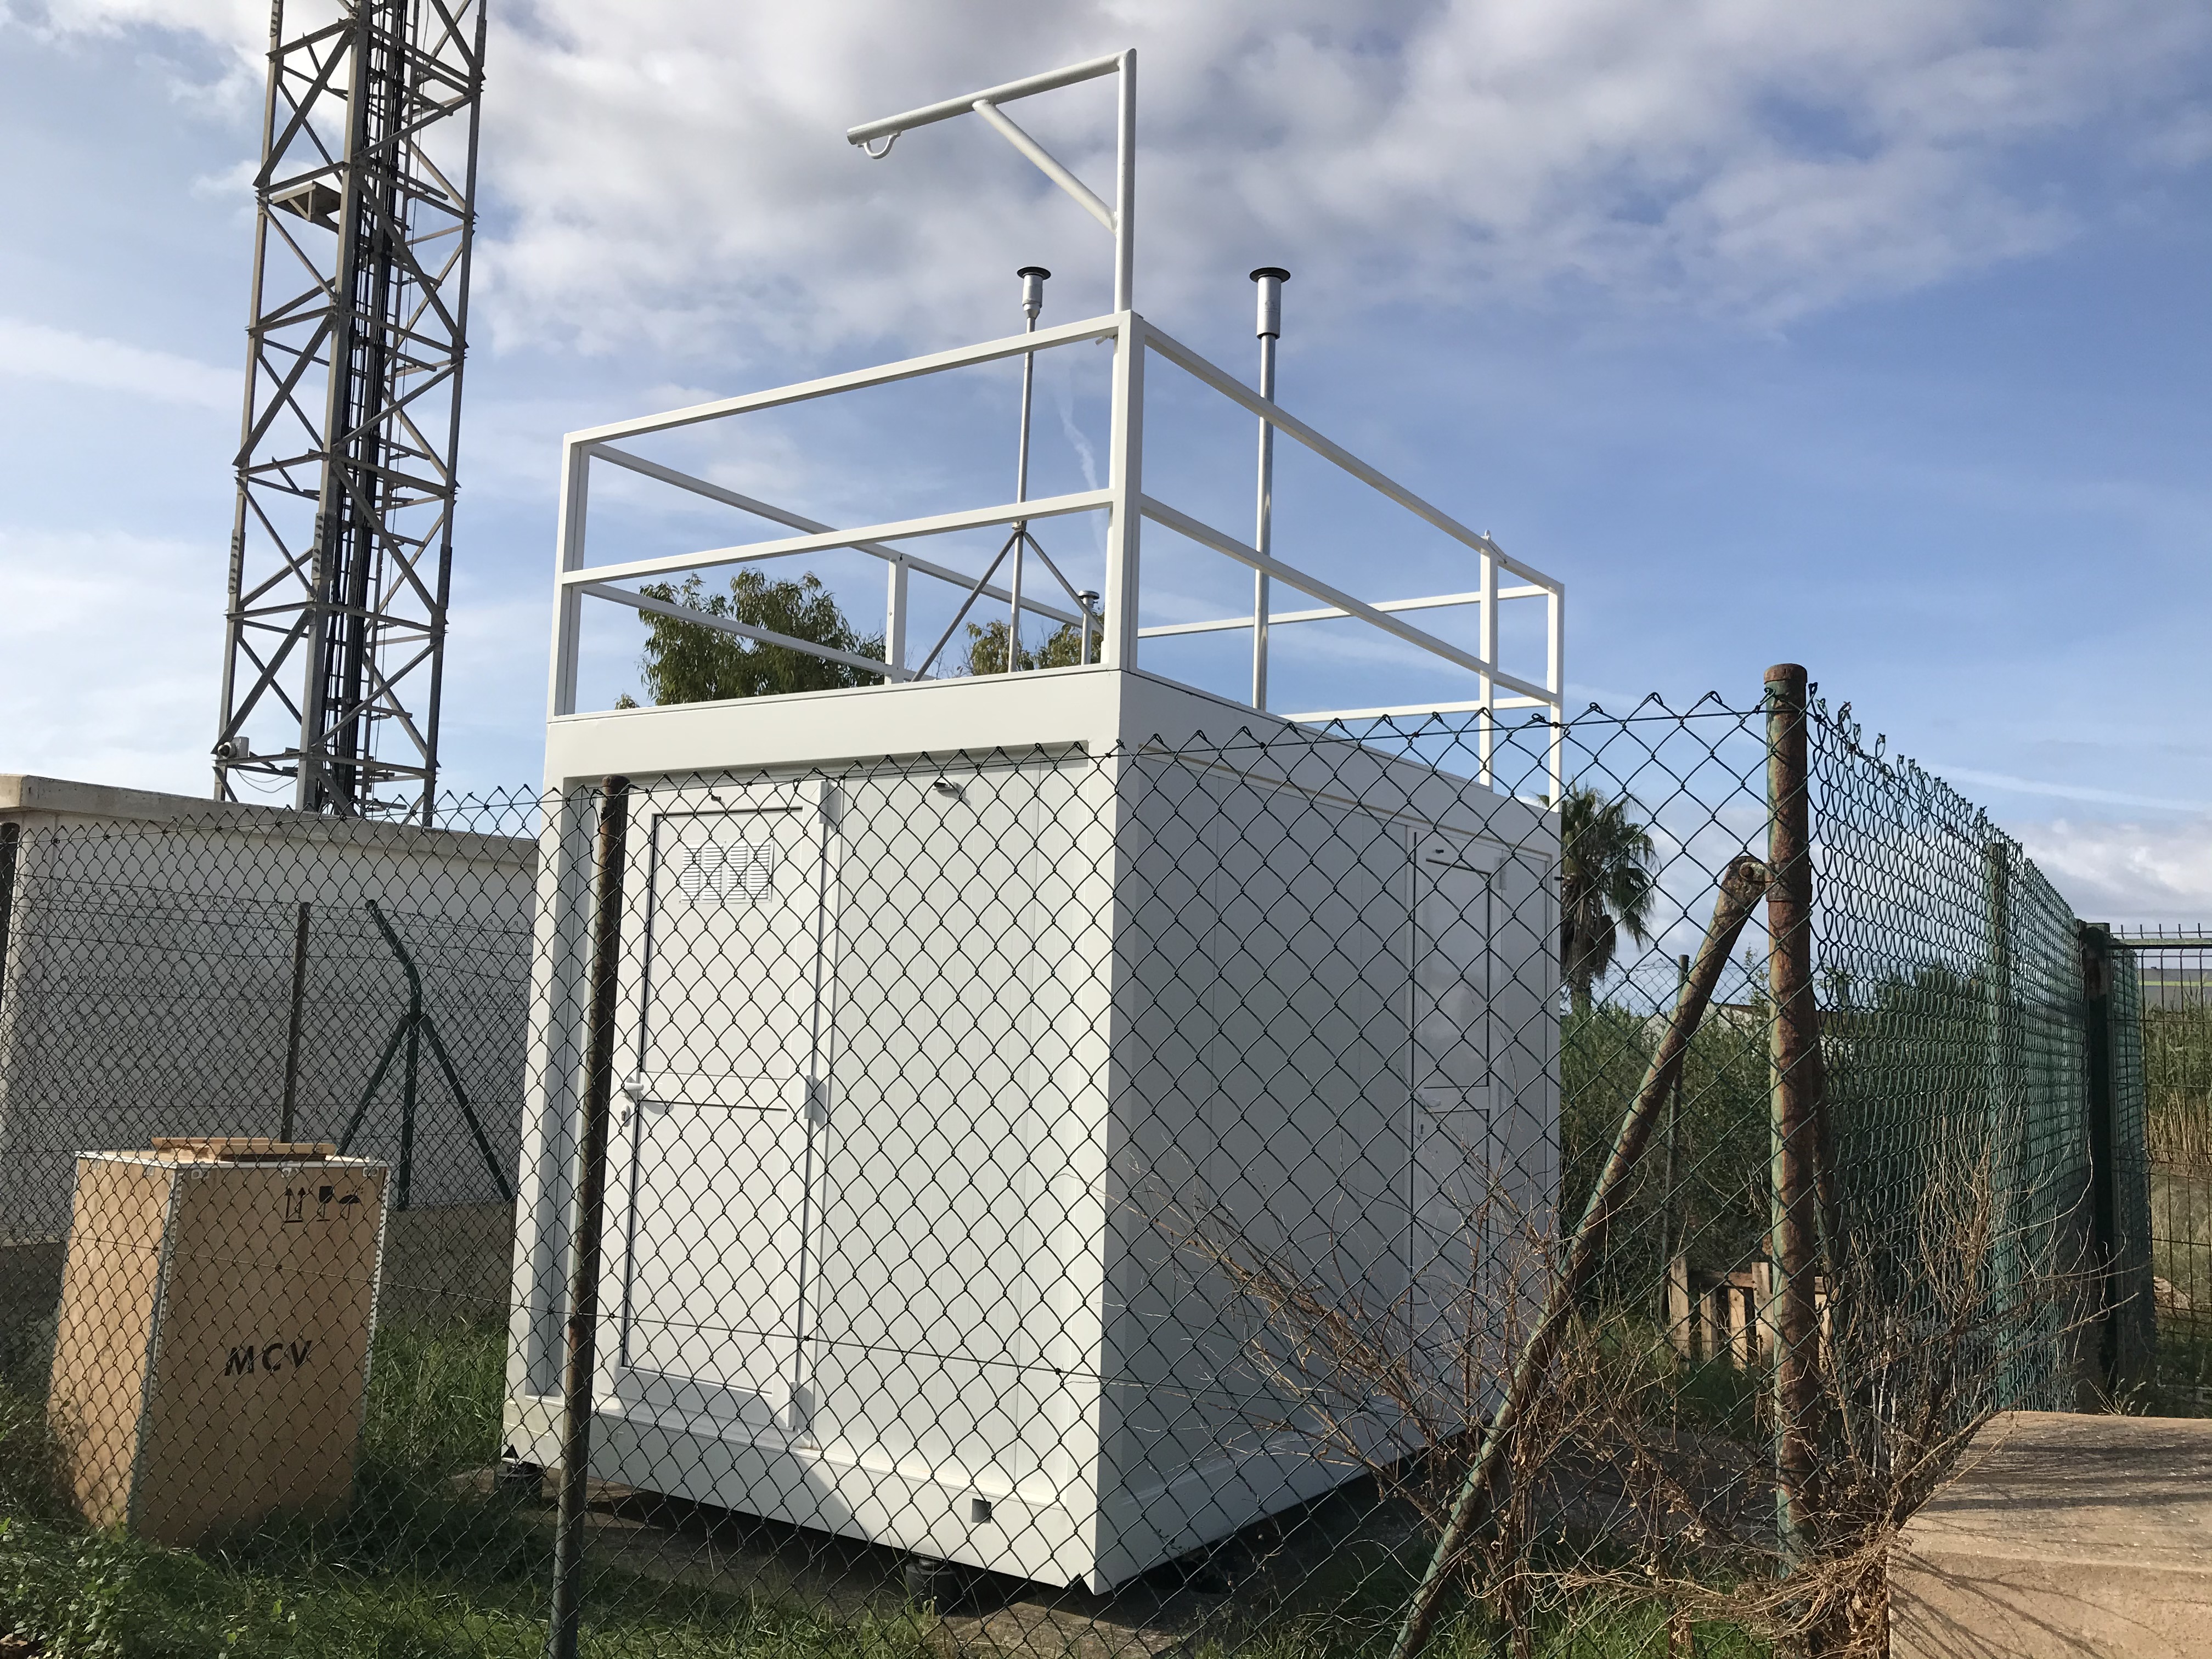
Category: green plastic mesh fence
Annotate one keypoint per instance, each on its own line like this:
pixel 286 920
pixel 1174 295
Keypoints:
pixel 2173 1051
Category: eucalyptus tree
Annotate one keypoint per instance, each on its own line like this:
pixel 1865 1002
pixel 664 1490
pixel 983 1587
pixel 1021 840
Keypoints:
pixel 685 662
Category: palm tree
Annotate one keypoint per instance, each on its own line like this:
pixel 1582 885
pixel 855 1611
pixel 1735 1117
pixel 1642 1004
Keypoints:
pixel 1605 885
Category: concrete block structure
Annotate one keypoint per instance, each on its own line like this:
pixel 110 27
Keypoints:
pixel 2062 1535
pixel 146 972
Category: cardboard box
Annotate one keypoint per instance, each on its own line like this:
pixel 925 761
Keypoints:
pixel 211 1358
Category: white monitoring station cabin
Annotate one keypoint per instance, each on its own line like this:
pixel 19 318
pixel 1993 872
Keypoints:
pixel 941 1008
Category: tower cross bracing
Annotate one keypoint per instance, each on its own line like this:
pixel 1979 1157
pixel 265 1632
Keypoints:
pixel 341 542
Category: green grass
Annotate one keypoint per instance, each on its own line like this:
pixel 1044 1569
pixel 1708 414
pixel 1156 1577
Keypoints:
pixel 434 1394
pixel 417 1566
pixel 1364 1596
pixel 422 1566
pixel 2177 1084
pixel 106 1595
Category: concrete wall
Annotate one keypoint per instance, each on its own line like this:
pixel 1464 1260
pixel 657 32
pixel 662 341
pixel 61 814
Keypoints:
pixel 147 984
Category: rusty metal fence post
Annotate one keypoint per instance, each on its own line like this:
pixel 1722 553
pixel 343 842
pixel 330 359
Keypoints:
pixel 1793 1121
pixel 584 1227
pixel 290 1108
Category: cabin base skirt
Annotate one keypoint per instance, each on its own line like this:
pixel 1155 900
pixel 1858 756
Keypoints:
pixel 1037 1530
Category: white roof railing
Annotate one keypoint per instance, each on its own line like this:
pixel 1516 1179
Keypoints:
pixel 1122 499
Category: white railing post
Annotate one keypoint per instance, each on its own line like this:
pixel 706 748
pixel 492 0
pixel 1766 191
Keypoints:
pixel 1486 720
pixel 1125 464
pixel 1269 328
pixel 1555 682
pixel 568 554
pixel 895 615
pixel 1125 188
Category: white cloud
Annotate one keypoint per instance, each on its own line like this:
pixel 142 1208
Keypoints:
pixel 35 350
pixel 237 30
pixel 232 186
pixel 240 25
pixel 2018 785
pixel 676 172
pixel 2130 873
pixel 106 648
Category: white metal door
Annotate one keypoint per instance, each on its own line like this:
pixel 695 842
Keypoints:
pixel 723 1110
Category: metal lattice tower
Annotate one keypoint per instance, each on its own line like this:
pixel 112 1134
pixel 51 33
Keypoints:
pixel 342 547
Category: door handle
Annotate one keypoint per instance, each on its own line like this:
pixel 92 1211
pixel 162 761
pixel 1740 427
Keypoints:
pixel 809 1098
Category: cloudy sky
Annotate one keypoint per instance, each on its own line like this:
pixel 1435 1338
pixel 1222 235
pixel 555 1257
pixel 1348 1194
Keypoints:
pixel 1870 337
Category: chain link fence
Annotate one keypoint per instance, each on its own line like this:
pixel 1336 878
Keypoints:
pixel 1301 1193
